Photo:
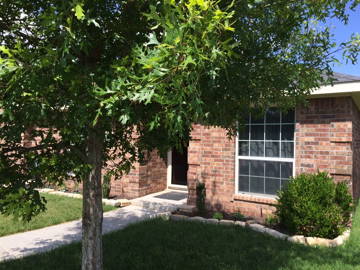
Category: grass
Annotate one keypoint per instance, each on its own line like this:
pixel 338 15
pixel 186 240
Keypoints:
pixel 59 209
pixel 159 244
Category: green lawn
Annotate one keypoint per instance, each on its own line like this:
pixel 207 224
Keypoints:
pixel 59 209
pixel 159 244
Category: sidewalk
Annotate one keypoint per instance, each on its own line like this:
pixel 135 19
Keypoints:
pixel 42 240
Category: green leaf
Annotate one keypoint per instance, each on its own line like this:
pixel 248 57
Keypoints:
pixel 6 51
pixel 79 12
pixel 189 60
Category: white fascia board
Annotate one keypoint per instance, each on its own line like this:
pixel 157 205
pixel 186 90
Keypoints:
pixel 338 89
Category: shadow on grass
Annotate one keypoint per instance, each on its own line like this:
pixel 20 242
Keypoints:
pixel 159 244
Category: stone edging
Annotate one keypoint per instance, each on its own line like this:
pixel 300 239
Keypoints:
pixel 308 241
pixel 111 202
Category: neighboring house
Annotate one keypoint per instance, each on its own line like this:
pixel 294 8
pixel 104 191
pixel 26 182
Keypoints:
pixel 244 174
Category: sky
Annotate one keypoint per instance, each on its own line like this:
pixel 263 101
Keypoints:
pixel 342 33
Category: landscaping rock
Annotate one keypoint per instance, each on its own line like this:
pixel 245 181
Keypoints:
pixel 46 190
pixel 317 241
pixel 257 227
pixel 74 195
pixel 338 241
pixel 59 193
pixel 212 221
pixel 240 223
pixel 188 209
pixel 346 234
pixel 198 219
pixel 117 203
pixel 178 217
pixel 297 239
pixel 124 202
pixel 276 234
pixel 226 222
pixel 250 221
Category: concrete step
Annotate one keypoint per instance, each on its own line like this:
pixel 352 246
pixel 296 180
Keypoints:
pixel 156 206
pixel 164 201
pixel 181 188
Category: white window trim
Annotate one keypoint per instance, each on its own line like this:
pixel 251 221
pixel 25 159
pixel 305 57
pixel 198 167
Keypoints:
pixel 237 158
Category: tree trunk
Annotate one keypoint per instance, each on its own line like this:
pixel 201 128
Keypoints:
pixel 92 204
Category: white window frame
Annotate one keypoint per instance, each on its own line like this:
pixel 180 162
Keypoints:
pixel 278 159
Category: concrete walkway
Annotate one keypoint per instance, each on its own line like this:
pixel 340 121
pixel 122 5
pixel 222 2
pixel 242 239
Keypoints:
pixel 42 240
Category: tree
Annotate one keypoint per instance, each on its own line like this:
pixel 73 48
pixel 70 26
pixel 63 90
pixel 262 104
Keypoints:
pixel 97 81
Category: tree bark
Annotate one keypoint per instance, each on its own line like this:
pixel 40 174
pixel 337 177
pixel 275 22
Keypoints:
pixel 92 204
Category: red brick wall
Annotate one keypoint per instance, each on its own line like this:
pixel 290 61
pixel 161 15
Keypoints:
pixel 153 175
pixel 356 152
pixel 324 137
pixel 128 185
pixel 325 141
pixel 144 179
pixel 212 161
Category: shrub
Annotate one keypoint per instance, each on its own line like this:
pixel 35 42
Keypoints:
pixel 106 186
pixel 271 221
pixel 218 215
pixel 200 198
pixel 313 205
pixel 238 216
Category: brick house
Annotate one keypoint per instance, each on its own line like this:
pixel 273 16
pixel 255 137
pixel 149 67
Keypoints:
pixel 243 174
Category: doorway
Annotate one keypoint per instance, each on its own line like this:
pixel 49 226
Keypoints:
pixel 178 167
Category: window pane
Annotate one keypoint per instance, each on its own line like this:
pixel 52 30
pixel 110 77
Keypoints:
pixel 284 183
pixel 257 132
pixel 288 117
pixel 287 150
pixel 244 167
pixel 272 149
pixel 257 118
pixel 286 170
pixel 272 132
pixel 243 132
pixel 243 148
pixel 287 132
pixel 272 169
pixel 272 186
pixel 272 136
pixel 244 183
pixel 257 149
pixel 257 167
pixel 272 116
pixel 257 184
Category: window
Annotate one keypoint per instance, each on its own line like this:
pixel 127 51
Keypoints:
pixel 265 154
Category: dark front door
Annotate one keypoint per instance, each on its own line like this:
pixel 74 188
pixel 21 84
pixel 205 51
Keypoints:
pixel 179 167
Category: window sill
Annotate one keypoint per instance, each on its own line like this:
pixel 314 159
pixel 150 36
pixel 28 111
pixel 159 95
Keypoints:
pixel 255 198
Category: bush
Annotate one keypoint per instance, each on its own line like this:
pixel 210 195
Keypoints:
pixel 218 216
pixel 313 205
pixel 200 198
pixel 238 216
pixel 271 221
